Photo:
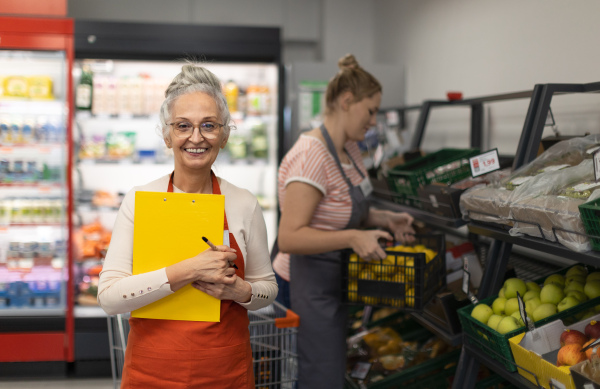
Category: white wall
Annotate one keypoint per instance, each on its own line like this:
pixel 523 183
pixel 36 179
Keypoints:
pixel 483 47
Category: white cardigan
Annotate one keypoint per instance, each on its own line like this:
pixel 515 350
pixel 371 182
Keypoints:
pixel 246 223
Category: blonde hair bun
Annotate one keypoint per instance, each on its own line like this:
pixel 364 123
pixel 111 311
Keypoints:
pixel 348 61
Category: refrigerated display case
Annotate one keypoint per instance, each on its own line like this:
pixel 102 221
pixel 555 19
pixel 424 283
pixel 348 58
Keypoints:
pixel 120 73
pixel 36 315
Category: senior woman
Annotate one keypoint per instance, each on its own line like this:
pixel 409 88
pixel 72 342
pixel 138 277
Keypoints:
pixel 195 123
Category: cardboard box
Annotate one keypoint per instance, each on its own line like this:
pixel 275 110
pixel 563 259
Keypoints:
pixel 581 376
pixel 536 358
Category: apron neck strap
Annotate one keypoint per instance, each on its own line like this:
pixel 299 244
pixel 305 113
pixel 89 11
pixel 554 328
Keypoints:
pixel 332 151
pixel 215 188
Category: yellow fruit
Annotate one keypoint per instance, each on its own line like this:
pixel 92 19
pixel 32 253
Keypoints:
pixel 420 248
pixel 366 274
pixel 409 297
pixel 429 255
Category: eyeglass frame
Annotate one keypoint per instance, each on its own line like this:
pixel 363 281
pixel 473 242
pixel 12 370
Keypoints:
pixel 194 126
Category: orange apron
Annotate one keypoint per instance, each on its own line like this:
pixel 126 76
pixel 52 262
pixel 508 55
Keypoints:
pixel 186 354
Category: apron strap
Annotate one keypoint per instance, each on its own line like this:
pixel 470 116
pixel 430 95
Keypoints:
pixel 332 151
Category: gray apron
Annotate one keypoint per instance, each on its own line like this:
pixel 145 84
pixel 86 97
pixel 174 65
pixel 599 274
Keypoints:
pixel 316 296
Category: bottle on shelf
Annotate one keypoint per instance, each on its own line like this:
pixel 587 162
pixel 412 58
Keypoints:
pixel 232 92
pixel 83 92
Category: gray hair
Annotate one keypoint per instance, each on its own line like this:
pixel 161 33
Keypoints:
pixel 194 78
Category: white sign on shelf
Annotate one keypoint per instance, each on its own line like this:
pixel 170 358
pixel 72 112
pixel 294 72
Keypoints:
pixel 596 157
pixel 484 163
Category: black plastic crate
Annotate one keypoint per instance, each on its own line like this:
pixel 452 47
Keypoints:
pixel 405 279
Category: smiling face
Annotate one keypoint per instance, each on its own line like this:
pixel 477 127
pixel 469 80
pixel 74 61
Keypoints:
pixel 195 153
pixel 362 116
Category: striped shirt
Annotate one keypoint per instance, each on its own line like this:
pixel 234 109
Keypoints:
pixel 309 161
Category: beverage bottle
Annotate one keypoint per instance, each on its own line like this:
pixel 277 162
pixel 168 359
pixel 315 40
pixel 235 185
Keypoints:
pixel 83 92
pixel 232 92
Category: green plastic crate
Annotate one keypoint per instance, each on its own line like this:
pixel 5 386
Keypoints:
pixel 432 374
pixel 405 179
pixel 590 216
pixel 496 344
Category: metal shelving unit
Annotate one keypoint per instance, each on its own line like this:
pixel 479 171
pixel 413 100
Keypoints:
pixel 501 247
pixel 502 243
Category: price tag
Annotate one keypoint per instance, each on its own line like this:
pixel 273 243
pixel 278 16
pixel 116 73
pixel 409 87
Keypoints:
pixel 465 284
pixel 596 157
pixel 484 163
pixel 360 370
pixel 588 385
pixel 378 156
pixel 528 323
pixel 392 118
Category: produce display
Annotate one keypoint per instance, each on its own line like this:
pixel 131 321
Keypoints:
pixel 558 293
pixel 542 198
pixel 387 353
pixel 553 200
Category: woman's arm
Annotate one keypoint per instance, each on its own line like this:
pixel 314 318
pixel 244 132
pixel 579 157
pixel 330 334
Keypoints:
pixel 119 291
pixel 259 288
pixel 297 237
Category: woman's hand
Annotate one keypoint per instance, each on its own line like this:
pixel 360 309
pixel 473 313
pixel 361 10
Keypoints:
pixel 400 223
pixel 239 290
pixel 215 266
pixel 208 266
pixel 366 243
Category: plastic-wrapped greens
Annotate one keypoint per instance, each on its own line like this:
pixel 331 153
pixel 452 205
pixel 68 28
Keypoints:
pixel 548 206
pixel 492 203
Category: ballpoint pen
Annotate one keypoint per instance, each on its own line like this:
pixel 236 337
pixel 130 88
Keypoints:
pixel 214 248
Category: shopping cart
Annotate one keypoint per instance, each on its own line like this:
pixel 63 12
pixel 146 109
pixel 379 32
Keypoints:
pixel 273 332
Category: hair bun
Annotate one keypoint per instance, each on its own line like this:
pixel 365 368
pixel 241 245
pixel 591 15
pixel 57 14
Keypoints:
pixel 348 61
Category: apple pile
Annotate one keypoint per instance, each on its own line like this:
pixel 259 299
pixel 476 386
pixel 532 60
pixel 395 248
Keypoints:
pixel 558 292
pixel 573 341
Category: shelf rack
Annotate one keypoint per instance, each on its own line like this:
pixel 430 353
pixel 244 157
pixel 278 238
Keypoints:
pixel 502 243
pixel 501 246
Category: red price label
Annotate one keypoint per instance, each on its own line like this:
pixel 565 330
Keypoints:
pixel 484 163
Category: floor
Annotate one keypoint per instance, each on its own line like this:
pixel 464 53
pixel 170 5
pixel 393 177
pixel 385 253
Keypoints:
pixel 58 383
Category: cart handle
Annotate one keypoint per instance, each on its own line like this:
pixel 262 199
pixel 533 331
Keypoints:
pixel 291 319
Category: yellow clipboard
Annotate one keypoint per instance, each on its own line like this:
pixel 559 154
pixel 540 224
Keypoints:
pixel 168 228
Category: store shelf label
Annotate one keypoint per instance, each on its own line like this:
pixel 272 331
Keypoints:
pixel 596 157
pixel 484 163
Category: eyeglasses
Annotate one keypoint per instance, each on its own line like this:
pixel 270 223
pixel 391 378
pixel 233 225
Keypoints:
pixel 208 130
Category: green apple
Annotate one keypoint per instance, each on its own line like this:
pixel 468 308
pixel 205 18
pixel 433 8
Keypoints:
pixel 501 292
pixel 578 295
pixel 544 311
pixel 551 293
pixel 566 303
pixel 507 324
pixel 493 321
pixel 512 305
pixel 531 294
pixel 498 305
pixel 532 286
pixel 569 280
pixel 512 286
pixel 532 304
pixel 575 285
pixel 517 315
pixel 482 312
pixel 589 313
pixel 592 288
pixel 558 279
pixel 593 276
pixel 577 270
